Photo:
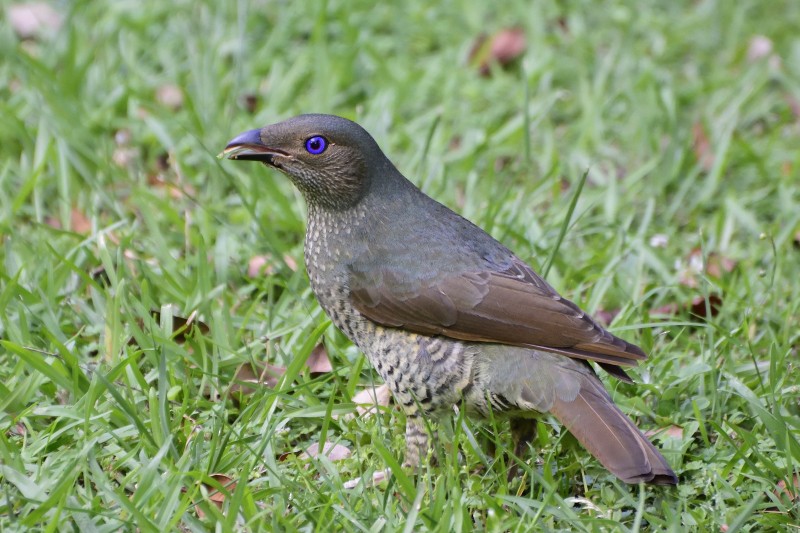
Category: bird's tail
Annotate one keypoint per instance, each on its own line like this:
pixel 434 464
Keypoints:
pixel 612 437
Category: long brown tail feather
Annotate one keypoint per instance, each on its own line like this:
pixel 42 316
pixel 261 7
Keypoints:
pixel 612 437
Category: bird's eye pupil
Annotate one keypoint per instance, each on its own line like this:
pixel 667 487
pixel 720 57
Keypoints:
pixel 316 145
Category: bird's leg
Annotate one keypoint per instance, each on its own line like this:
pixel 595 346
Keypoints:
pixel 416 441
pixel 523 432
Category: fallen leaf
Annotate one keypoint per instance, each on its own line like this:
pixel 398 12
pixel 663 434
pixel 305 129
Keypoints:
pixel 665 310
pixel 702 146
pixel 377 477
pixel 162 161
pixel 368 400
pixel 260 265
pixel 696 307
pixel 285 455
pixel 250 102
pixel 228 484
pixel 794 105
pixel 264 374
pixel 793 492
pixel 216 496
pixel 503 49
pixel 717 265
pixel 606 317
pixel 266 265
pixel 17 430
pixel 788 495
pixel 291 262
pixel 79 222
pixel 34 19
pixel 182 327
pixel 334 452
pixel 318 361
pixel 163 180
pixel 673 431
pixel 699 308
pixel 713 265
pixel 170 95
pixel 508 45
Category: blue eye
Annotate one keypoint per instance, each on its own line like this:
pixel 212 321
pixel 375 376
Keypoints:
pixel 316 145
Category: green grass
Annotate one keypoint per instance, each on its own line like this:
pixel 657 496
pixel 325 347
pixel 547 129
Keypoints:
pixel 681 132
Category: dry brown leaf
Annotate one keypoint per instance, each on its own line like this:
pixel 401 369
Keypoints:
pixel 665 310
pixel 216 496
pixel 182 327
pixel 368 400
pixel 33 19
pixel 264 374
pixel 53 222
pixel 606 317
pixel 673 431
pixel 318 361
pixel 170 95
pixel 250 102
pixel 377 477
pixel 714 265
pixel 17 430
pixel 334 452
pixel 79 222
pixel 285 455
pixel 503 49
pixel 794 105
pixel 249 376
pixel 508 45
pixel 290 262
pixel 717 265
pixel 162 180
pixel 702 147
pixel 699 308
pixel 162 161
pixel 696 307
pixel 260 265
pixel 789 495
pixel 265 265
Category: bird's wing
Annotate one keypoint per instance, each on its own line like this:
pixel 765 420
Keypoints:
pixel 513 306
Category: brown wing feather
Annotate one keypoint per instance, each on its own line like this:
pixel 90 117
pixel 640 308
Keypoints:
pixel 513 306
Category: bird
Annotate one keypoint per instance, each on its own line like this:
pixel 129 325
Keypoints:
pixel 446 315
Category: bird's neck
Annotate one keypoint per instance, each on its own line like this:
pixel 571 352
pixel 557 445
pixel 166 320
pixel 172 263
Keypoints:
pixel 337 237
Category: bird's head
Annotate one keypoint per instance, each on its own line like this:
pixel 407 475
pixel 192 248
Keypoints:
pixel 329 158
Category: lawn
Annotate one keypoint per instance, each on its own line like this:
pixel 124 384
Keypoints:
pixel 164 365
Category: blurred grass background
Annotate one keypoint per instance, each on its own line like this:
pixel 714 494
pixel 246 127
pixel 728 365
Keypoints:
pixel 113 205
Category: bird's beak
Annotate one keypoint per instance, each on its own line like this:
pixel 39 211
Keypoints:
pixel 248 146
